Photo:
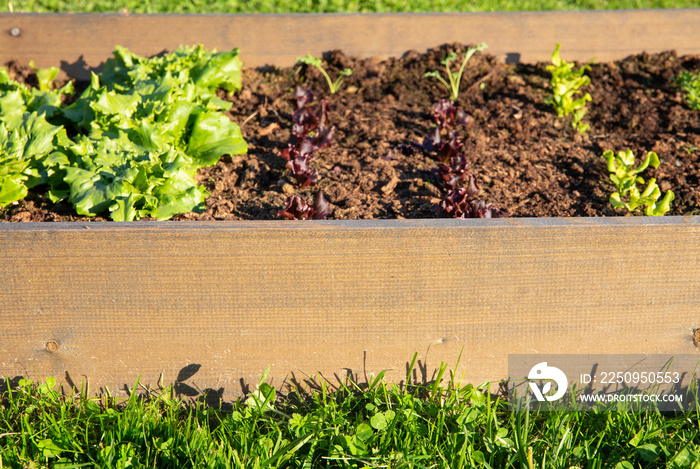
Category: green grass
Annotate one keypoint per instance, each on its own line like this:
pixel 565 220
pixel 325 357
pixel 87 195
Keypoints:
pixel 376 425
pixel 351 6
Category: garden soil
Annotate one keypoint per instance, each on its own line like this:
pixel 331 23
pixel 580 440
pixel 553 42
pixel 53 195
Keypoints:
pixel 526 160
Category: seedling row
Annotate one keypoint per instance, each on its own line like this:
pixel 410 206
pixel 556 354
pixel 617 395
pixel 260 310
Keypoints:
pixel 448 133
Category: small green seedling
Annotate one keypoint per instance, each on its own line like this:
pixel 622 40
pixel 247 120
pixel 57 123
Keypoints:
pixel 454 78
pixel 625 178
pixel 316 62
pixel 690 83
pixel 566 83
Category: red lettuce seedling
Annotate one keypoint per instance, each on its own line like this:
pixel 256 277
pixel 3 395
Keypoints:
pixel 444 148
pixel 447 114
pixel 460 203
pixel 310 133
pixel 444 140
pixel 299 167
pixel 308 122
pixel 298 209
pixel 456 173
pixel 462 188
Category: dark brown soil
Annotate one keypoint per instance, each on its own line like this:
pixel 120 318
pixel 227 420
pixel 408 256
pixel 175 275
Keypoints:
pixel 526 159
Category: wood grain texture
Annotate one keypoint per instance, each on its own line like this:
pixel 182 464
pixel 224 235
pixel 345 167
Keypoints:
pixel 79 42
pixel 112 301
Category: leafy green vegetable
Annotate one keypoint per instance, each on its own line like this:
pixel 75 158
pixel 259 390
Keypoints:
pixel 566 83
pixel 139 132
pixel 690 83
pixel 625 177
pixel 454 78
pixel 26 137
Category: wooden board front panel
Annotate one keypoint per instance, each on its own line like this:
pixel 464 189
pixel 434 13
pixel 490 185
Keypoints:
pixel 111 301
pixel 79 42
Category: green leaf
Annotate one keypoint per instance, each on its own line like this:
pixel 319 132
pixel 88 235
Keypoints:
pixel 364 432
pixel 682 458
pixel 478 457
pixel 49 449
pixel 636 438
pixel 651 159
pixel 468 415
pixel 378 421
pixel 625 178
pixel 12 107
pixel 123 208
pixel 93 192
pixel 566 84
pixel 310 60
pixel 12 189
pixel 21 154
pixel 222 70
pixel 660 208
pixel 45 76
pixel 451 57
pixel 170 205
pixel 354 445
pixel 316 62
pixel 648 452
pixel 39 134
pixel 262 399
pixel 616 201
pixel 214 135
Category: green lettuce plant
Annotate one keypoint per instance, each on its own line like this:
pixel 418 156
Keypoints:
pixel 138 134
pixel 625 177
pixel 690 83
pixel 566 84
pixel 333 86
pixel 454 78
pixel 27 139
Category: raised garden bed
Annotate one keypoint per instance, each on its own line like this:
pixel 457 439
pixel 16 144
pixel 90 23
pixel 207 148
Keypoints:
pixel 227 299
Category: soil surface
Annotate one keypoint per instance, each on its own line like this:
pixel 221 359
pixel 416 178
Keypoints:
pixel 526 159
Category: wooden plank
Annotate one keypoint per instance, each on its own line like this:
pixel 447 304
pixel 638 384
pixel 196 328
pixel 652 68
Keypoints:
pixel 110 301
pixel 79 42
